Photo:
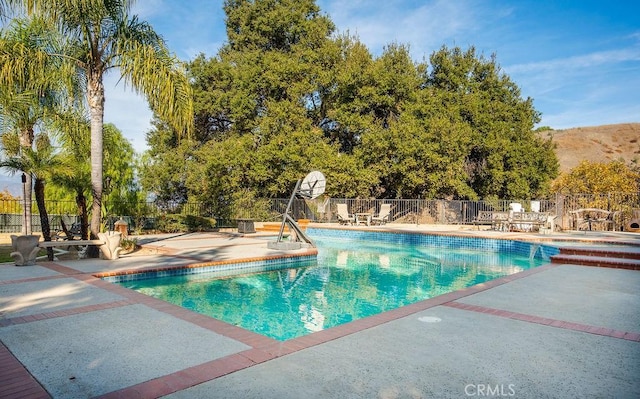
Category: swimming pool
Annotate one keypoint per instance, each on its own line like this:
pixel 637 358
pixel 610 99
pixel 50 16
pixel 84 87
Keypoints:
pixel 352 278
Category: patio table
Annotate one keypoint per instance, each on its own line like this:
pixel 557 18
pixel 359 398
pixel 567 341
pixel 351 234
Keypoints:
pixel 363 217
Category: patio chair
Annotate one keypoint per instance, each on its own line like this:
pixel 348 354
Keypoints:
pixel 343 215
pixel 73 233
pixel 383 216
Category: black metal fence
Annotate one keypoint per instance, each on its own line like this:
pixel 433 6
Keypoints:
pixel 414 211
pixel 143 216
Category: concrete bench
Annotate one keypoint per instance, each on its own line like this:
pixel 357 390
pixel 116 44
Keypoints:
pixel 109 244
pixel 69 243
pixel 25 248
pixel 81 245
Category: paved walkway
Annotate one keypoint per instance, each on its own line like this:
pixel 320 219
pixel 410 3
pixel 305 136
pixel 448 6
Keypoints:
pixel 554 331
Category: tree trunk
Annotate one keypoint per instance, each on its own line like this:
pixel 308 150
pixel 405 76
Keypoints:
pixel 95 97
pixel 44 216
pixel 81 203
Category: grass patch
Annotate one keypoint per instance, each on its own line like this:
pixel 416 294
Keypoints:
pixel 5 251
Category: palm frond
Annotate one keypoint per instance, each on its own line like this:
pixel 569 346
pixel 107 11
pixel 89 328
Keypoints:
pixel 161 78
pixel 40 163
pixel 73 132
pixel 26 61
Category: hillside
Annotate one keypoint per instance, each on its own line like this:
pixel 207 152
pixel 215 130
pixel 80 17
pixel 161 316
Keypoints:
pixel 596 144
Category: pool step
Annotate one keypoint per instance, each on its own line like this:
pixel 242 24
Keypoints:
pixel 632 252
pixel 618 258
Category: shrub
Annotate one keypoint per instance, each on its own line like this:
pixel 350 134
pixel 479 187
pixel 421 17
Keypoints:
pixel 176 223
pixel 598 177
pixel 129 244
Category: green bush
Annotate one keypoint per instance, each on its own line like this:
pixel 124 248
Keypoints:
pixel 129 244
pixel 175 223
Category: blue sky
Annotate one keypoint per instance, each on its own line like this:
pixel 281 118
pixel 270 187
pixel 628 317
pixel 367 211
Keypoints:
pixel 579 60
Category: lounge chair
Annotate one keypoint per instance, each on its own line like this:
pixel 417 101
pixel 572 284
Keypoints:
pixel 343 215
pixel 383 216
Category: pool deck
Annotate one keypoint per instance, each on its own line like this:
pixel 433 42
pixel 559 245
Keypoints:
pixel 559 330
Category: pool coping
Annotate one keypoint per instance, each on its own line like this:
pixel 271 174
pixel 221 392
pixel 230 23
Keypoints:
pixel 491 234
pixel 203 267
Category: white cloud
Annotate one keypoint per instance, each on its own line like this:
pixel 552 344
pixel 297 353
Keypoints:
pixel 597 88
pixel 579 62
pixel 424 25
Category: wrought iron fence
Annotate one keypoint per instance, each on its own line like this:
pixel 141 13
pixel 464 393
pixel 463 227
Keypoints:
pixel 414 211
pixel 430 211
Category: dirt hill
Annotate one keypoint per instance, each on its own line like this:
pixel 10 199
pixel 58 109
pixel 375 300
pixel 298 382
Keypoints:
pixel 596 144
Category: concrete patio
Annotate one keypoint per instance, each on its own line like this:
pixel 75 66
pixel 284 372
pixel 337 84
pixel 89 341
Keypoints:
pixel 553 331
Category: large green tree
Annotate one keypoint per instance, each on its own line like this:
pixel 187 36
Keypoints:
pixel 99 36
pixel 506 159
pixel 164 166
pixel 347 100
pixel 286 95
pixel 258 111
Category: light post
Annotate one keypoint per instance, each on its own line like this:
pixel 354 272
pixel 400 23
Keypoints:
pixel 24 204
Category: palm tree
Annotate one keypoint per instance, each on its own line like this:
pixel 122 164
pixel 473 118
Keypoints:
pixel 31 91
pixel 4 6
pixel 100 35
pixel 74 141
pixel 40 163
pixel 16 115
pixel 75 149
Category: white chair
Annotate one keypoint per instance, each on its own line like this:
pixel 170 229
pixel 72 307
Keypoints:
pixel 535 206
pixel 513 208
pixel 383 216
pixel 343 214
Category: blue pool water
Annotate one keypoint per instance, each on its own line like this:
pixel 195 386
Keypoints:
pixel 351 279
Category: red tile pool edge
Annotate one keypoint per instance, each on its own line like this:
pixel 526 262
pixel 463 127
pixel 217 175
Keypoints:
pixel 608 332
pixel 15 379
pixel 310 252
pixel 267 349
pixel 263 348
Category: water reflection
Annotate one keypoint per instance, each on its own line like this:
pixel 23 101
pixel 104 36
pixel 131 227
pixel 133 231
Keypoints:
pixel 345 284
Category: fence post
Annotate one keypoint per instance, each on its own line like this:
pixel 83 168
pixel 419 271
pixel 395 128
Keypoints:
pixel 560 205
